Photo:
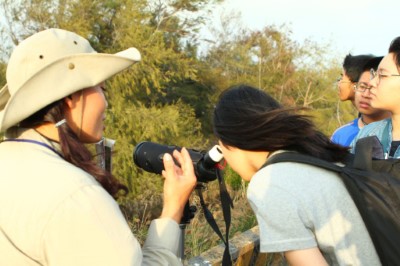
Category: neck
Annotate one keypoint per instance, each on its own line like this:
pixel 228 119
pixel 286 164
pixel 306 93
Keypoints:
pixel 363 121
pixel 257 158
pixel 367 119
pixel 49 131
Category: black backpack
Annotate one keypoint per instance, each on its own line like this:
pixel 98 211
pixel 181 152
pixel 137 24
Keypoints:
pixel 374 185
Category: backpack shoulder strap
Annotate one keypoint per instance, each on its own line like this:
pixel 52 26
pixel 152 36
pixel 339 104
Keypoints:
pixel 302 158
pixel 366 149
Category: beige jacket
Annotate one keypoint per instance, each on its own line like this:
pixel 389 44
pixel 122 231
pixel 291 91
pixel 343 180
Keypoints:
pixel 53 213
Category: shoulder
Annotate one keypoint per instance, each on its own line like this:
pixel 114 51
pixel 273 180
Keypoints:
pixel 60 173
pixel 77 194
pixel 349 127
pixel 290 170
pixel 30 161
pixel 375 126
pixel 293 178
pixel 345 134
pixel 378 128
pixel 89 201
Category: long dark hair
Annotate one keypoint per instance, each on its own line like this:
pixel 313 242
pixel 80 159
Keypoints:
pixel 73 150
pixel 250 119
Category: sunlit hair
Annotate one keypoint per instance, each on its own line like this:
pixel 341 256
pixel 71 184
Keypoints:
pixel 353 65
pixel 395 49
pixel 373 63
pixel 73 150
pixel 250 119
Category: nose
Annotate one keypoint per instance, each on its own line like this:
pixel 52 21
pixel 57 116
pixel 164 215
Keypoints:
pixel 366 93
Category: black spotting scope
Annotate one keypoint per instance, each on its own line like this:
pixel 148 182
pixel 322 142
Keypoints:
pixel 149 156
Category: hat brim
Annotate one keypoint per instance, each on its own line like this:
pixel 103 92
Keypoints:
pixel 60 79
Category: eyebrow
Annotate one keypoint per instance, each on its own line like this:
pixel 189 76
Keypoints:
pixel 382 69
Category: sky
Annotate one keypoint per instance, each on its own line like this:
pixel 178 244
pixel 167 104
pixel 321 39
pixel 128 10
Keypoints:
pixel 349 26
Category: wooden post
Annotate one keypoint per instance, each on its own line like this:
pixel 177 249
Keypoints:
pixel 244 249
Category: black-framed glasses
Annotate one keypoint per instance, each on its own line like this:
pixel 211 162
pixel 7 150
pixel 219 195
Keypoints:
pixel 362 87
pixel 379 75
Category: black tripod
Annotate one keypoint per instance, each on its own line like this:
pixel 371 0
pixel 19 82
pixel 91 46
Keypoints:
pixel 188 214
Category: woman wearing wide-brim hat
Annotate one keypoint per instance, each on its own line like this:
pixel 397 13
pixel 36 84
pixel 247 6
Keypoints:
pixel 57 205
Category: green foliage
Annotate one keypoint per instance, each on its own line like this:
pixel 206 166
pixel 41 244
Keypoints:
pixel 296 75
pixel 233 179
pixel 260 58
pixel 130 124
pixel 2 74
pixel 198 97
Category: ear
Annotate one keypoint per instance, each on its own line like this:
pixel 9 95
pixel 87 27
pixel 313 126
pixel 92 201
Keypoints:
pixel 71 100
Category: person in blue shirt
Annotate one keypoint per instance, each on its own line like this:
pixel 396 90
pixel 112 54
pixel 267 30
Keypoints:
pixel 352 69
pixel 385 94
pixel 344 135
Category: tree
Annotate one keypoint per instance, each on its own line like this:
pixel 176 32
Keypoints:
pixel 158 29
pixel 294 74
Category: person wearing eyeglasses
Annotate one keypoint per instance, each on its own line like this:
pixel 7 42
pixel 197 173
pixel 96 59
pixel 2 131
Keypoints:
pixel 354 67
pixel 385 94
pixel 362 100
pixel 351 71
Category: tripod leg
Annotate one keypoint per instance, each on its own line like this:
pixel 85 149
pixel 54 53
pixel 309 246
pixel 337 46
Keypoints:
pixel 181 251
pixel 188 214
pixel 185 220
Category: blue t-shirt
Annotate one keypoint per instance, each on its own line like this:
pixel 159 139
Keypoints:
pixel 344 135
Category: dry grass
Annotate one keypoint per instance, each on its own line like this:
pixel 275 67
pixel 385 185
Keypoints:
pixel 199 236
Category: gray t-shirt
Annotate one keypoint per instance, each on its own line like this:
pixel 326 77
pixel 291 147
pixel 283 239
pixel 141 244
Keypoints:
pixel 300 206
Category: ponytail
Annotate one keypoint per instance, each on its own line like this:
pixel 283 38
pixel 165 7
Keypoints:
pixel 73 150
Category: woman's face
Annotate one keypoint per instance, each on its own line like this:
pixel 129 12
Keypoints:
pixel 385 91
pixel 244 163
pixel 235 160
pixel 86 113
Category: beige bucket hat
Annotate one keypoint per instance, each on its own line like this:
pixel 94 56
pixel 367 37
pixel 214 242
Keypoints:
pixel 51 65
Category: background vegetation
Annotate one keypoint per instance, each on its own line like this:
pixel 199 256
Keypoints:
pixel 168 97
